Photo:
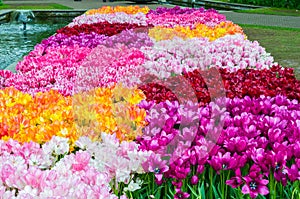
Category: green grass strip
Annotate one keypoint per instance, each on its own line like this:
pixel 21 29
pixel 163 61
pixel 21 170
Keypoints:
pixel 273 11
pixel 44 6
pixel 269 27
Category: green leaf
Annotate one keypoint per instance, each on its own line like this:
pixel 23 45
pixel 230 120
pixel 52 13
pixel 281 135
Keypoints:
pixel 173 74
pixel 216 195
pixel 202 190
pixel 158 192
pixel 170 197
pixel 192 190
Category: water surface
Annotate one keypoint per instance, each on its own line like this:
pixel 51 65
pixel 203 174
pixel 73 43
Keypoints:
pixel 16 43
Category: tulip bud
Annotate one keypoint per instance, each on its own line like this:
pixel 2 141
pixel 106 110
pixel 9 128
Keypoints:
pixel 194 180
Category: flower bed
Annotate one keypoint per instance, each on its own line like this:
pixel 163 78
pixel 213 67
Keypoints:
pixel 127 102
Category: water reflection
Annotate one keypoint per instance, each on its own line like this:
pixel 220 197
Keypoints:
pixel 16 42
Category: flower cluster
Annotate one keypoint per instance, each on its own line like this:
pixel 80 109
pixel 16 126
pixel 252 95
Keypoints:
pixel 199 30
pixel 130 38
pixel 178 10
pixel 109 66
pixel 48 68
pixel 276 81
pixel 118 17
pixel 119 160
pixel 103 28
pixel 232 52
pixel 191 20
pixel 125 9
pixel 37 119
pixel 53 66
pixel 111 110
pixel 50 114
pixel 244 82
pixel 90 40
pixel 263 130
pixel 50 171
pixel 4 74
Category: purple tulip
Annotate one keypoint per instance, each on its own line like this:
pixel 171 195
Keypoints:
pixel 236 144
pixel 237 180
pixel 157 166
pixel 181 195
pixel 254 183
pixel 223 162
pixel 293 173
pixel 296 149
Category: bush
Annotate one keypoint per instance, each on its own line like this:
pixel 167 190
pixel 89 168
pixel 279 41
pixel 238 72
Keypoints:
pixel 271 3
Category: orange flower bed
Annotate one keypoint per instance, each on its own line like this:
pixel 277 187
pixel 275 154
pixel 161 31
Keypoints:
pixel 25 118
pixel 212 33
pixel 110 10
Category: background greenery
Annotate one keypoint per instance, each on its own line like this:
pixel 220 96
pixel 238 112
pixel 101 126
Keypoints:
pixel 50 6
pixel 273 11
pixel 271 3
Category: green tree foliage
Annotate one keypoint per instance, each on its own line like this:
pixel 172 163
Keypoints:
pixel 271 3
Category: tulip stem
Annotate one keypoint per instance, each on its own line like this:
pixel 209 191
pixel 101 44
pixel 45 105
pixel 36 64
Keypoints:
pixel 281 191
pixel 194 188
pixel 241 195
pixel 184 183
pixel 131 194
pixel 275 194
pixel 226 186
pixel 153 181
pixel 272 186
pixel 211 182
pixel 148 185
pixel 295 190
pixel 222 184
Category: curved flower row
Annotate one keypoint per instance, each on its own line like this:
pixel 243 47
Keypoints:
pixel 161 17
pixel 50 171
pixel 191 20
pixel 244 82
pixel 50 114
pixel 118 17
pixel 200 30
pixel 48 68
pixel 52 65
pixel 130 38
pixel 178 10
pixel 232 52
pixel 264 131
pixel 103 28
pixel 125 9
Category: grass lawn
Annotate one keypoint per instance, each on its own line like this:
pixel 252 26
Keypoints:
pixel 269 11
pixel 282 43
pixel 35 6
pixel 273 11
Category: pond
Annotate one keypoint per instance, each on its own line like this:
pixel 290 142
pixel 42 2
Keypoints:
pixel 16 43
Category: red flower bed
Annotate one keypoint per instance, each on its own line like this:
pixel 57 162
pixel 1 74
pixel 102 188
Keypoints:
pixel 206 85
pixel 103 28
